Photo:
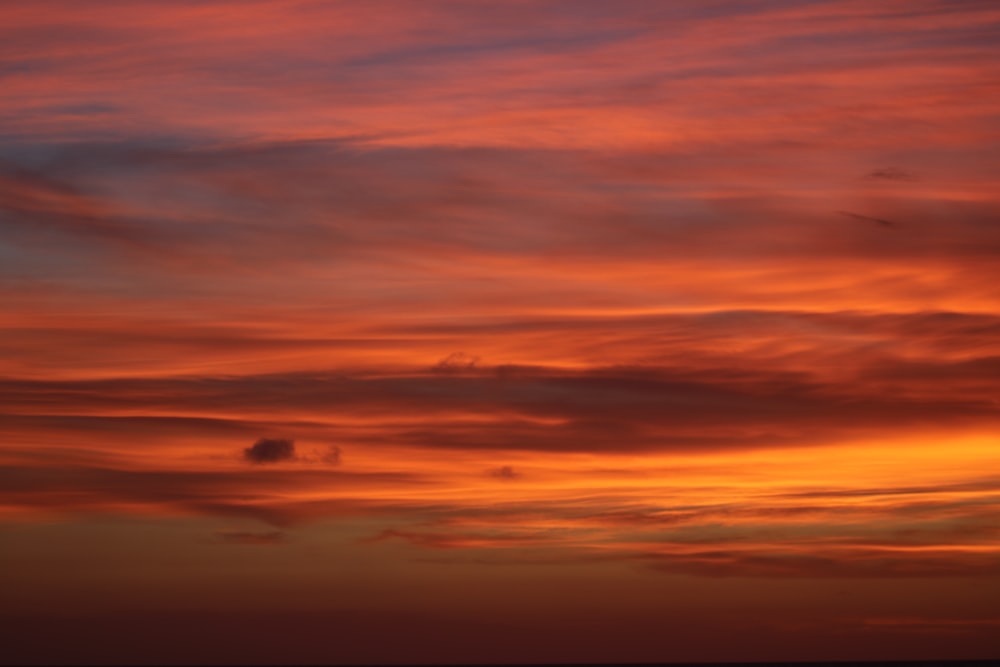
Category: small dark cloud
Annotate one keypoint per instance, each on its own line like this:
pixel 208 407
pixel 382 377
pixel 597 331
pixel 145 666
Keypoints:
pixel 456 362
pixel 892 174
pixel 504 472
pixel 270 450
pixel 243 537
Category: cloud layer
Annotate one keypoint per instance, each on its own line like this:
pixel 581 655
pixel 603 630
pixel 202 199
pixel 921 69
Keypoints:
pixel 700 290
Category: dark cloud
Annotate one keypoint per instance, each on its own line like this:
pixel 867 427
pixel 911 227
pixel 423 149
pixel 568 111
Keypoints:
pixel 270 450
pixel 695 404
pixel 456 362
pixel 504 472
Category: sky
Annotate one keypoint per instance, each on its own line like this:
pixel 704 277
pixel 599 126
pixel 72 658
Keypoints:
pixel 523 331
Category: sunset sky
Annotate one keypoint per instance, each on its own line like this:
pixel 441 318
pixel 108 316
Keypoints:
pixel 409 331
